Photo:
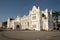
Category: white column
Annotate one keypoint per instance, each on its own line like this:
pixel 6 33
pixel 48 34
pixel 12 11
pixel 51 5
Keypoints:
pixel 8 23
pixel 46 20
pixel 51 20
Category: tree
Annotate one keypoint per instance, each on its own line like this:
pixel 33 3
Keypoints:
pixel 4 24
pixel 55 15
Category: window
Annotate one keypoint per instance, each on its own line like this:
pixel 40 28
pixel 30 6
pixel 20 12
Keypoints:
pixel 28 23
pixel 34 26
pixel 43 15
pixel 34 17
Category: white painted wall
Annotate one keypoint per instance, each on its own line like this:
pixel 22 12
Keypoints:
pixel 39 21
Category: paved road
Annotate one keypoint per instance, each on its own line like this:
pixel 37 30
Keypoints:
pixel 29 35
pixel 33 35
pixel 3 37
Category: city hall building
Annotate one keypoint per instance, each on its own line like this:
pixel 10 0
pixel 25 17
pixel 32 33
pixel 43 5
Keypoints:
pixel 37 19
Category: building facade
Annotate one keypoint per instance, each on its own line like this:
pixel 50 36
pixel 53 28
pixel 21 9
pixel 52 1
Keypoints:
pixel 0 25
pixel 37 19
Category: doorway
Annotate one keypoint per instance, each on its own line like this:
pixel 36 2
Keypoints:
pixel 17 27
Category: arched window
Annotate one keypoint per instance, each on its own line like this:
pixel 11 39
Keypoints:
pixel 34 17
pixel 34 26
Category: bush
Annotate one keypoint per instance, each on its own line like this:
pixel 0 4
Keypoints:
pixel 27 29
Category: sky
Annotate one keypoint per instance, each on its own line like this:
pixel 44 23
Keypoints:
pixel 13 8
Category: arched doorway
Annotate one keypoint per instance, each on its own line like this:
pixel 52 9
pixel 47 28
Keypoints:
pixel 17 27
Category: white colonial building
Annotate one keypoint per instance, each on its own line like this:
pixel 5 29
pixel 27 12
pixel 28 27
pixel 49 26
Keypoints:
pixel 36 20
